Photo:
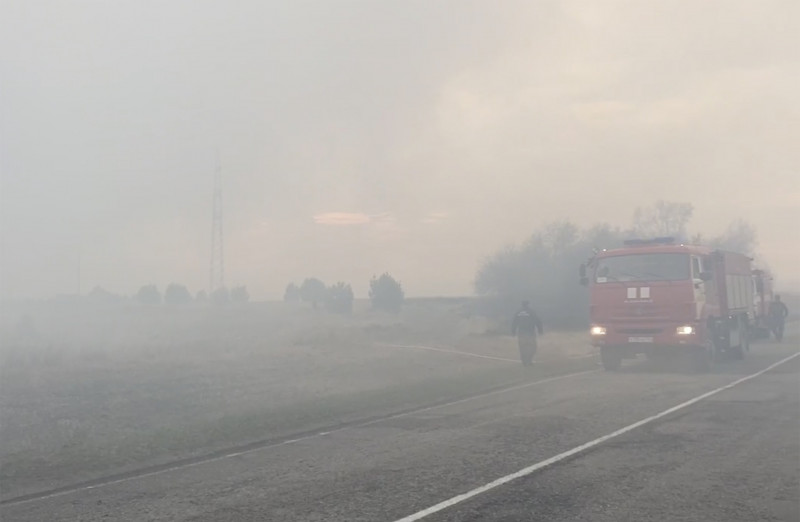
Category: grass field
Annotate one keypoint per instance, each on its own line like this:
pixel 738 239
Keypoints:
pixel 90 392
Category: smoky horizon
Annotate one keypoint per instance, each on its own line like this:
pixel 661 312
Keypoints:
pixel 355 139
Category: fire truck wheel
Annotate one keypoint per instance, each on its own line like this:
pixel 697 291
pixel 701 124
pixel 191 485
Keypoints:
pixel 611 357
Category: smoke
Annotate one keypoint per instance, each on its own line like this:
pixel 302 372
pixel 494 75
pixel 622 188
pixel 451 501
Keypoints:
pixel 449 129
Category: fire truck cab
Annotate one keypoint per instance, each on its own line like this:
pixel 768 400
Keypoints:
pixel 659 297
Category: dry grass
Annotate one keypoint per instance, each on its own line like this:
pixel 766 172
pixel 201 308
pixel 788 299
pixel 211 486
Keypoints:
pixel 92 392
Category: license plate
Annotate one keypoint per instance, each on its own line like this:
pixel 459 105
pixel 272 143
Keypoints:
pixel 640 339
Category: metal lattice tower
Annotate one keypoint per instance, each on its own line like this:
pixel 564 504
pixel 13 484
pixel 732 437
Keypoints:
pixel 217 270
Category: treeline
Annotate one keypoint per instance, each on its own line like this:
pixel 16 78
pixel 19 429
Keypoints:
pixel 175 294
pixel 544 269
pixel 385 294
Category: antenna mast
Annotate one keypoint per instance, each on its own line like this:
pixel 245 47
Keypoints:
pixel 217 269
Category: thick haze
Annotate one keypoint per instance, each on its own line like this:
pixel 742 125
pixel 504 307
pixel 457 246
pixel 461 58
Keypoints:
pixel 413 137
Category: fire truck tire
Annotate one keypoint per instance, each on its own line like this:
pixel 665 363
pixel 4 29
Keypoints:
pixel 611 357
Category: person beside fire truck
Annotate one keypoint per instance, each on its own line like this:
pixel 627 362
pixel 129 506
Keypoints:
pixel 778 311
pixel 525 326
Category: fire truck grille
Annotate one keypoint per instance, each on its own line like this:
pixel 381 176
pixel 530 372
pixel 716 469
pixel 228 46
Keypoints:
pixel 641 331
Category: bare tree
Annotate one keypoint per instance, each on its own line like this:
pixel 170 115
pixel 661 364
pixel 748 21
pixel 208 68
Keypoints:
pixel 664 218
pixel 559 236
pixel 740 236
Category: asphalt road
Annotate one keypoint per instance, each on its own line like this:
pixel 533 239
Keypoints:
pixel 731 456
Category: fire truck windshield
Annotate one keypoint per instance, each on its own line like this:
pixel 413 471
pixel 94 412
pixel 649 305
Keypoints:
pixel 643 267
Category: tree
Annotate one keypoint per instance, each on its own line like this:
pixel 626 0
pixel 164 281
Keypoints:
pixel 176 294
pixel 740 236
pixel 149 295
pixel 201 297
pixel 504 273
pixel 220 296
pixel 240 294
pixel 292 294
pixel 557 237
pixel 664 218
pixel 603 236
pixel 386 293
pixel 544 270
pixel 339 299
pixel 313 291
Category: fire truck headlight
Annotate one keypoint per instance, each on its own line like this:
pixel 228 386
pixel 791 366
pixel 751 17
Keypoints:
pixel 598 330
pixel 685 330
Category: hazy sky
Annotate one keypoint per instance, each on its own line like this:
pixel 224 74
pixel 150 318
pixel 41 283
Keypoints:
pixel 358 137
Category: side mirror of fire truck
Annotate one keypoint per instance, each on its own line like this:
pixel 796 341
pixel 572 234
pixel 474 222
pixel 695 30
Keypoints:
pixel 705 276
pixel 582 272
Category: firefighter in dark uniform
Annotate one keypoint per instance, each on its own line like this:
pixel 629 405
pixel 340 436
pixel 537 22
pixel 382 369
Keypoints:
pixel 777 315
pixel 525 326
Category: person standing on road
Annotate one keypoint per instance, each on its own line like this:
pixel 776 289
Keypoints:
pixel 525 326
pixel 777 314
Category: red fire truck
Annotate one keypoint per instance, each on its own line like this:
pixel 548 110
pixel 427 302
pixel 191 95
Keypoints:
pixel 659 297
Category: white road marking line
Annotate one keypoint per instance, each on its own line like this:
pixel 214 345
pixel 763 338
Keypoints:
pixel 444 350
pixel 209 460
pixel 583 447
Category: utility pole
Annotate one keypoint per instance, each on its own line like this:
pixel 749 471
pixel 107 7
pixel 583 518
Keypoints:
pixel 217 268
